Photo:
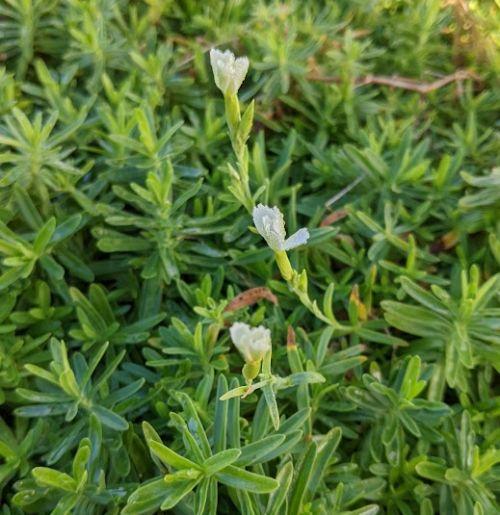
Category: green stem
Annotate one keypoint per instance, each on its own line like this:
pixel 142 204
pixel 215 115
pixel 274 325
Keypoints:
pixel 241 185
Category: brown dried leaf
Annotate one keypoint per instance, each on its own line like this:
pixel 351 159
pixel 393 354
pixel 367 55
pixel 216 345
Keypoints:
pixel 290 338
pixel 251 296
pixel 333 217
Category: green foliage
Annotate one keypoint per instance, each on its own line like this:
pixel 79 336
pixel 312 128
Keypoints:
pixel 127 252
pixel 467 328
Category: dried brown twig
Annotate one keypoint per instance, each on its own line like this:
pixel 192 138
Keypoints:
pixel 397 81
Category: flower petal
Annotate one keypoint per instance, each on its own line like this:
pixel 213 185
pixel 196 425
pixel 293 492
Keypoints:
pixel 229 73
pixel 299 238
pixel 270 224
pixel 239 331
pixel 251 342
pixel 240 69
pixel 260 213
pixel 240 334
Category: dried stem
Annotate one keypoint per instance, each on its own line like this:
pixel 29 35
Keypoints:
pixel 397 81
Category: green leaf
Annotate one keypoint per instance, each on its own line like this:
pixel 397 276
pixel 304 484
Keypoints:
pixel 278 497
pixel 272 405
pixel 302 480
pixel 66 228
pixel 43 236
pixel 411 386
pixel 220 461
pixel 255 452
pixel 14 274
pixel 244 480
pixel 323 458
pixel 146 499
pixel 110 419
pixel 220 422
pixel 432 471
pixel 178 485
pixel 27 208
pixel 420 295
pixel 80 460
pixel 52 267
pixel 299 378
pixel 170 457
pixel 54 479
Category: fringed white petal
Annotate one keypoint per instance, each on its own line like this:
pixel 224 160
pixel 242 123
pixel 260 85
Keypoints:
pixel 251 342
pixel 299 238
pixel 229 73
pixel 270 223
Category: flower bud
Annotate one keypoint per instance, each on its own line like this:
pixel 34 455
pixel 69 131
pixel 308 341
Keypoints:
pixel 252 342
pixel 229 72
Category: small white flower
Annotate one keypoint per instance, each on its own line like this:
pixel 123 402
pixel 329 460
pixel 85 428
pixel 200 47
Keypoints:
pixel 229 73
pixel 270 223
pixel 252 342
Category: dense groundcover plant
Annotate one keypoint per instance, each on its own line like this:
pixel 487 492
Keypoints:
pixel 249 257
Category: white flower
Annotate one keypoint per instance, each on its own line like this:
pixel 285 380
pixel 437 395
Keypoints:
pixel 229 73
pixel 252 342
pixel 271 226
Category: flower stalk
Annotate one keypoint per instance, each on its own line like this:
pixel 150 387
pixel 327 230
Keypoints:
pixel 270 224
pixel 254 344
pixel 229 73
pixel 284 265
